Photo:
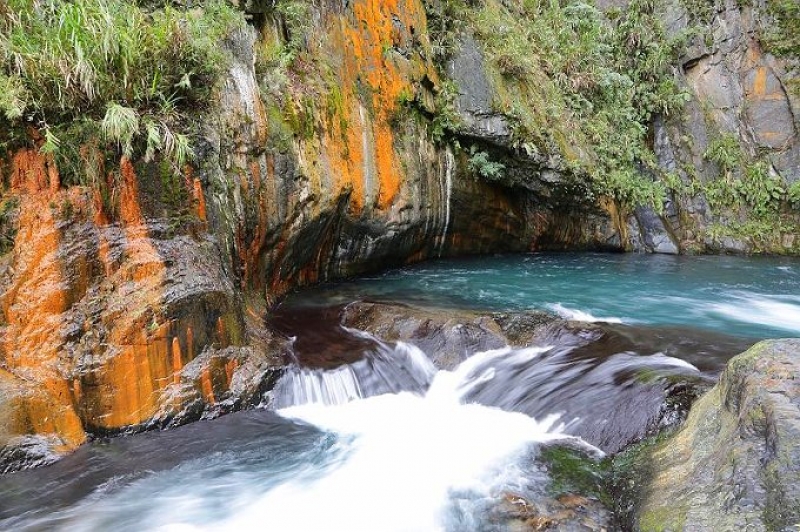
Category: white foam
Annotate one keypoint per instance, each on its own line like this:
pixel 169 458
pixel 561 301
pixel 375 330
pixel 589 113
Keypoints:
pixel 661 358
pixel 409 454
pixel 330 387
pixel 772 311
pixel 404 362
pixel 579 315
pixel 400 462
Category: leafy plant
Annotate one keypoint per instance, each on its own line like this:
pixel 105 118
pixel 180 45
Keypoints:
pixel 120 124
pixel 446 120
pixel 793 195
pixel 481 165
pixel 783 36
pixel 761 189
pixel 726 152
pixel 582 88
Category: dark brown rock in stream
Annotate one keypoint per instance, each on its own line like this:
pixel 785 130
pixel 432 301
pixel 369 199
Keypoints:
pixel 608 387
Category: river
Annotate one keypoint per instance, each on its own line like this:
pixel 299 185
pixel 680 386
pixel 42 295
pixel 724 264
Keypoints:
pixel 372 436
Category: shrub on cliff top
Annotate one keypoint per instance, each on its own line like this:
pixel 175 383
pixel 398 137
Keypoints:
pixel 128 70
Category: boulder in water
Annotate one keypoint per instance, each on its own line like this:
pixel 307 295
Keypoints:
pixel 735 465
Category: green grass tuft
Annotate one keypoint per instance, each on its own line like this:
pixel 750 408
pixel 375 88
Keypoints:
pixel 134 71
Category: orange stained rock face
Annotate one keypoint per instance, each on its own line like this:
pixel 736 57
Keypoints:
pixel 360 144
pixel 37 297
pixel 197 193
pixel 216 377
pixel 230 368
pixel 206 385
pixel 30 171
pixel 140 357
pixel 31 408
pixel 367 57
pixel 130 210
pixel 177 360
pixel 149 356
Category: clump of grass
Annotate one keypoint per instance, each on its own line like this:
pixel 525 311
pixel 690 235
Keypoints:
pixel 782 37
pixel 130 70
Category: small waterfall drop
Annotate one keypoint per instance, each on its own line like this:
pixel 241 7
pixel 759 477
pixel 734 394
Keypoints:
pixel 387 368
pixel 446 458
pixel 421 459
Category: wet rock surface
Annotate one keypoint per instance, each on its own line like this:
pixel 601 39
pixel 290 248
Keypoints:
pixel 116 325
pixel 564 490
pixel 568 492
pixel 609 389
pixel 735 464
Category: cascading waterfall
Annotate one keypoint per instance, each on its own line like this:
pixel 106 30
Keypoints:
pixel 417 459
pixel 385 369
pixel 302 385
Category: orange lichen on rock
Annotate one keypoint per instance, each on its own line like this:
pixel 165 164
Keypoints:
pixel 370 39
pixel 197 194
pixel 358 139
pixel 177 361
pixel 30 171
pixel 112 278
pixel 35 300
pixel 230 368
pixel 28 409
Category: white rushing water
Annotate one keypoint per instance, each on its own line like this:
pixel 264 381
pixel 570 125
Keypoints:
pixel 580 315
pixel 409 455
pixel 779 312
pixel 401 462
pixel 390 369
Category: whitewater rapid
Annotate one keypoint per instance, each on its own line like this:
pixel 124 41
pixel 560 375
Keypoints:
pixel 410 455
pixel 402 461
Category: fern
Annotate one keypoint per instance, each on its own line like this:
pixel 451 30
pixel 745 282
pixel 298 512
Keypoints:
pixel 121 125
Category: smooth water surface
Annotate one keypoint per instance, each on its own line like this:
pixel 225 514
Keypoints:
pixel 753 297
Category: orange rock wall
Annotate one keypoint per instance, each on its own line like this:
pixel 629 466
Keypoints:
pixel 118 316
pixel 369 188
pixel 95 326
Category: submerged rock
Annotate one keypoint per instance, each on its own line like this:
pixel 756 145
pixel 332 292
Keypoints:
pixel 448 336
pixel 608 387
pixel 735 465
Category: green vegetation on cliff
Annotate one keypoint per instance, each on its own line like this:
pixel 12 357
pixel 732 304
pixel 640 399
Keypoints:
pixel 783 37
pixel 108 69
pixel 577 84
